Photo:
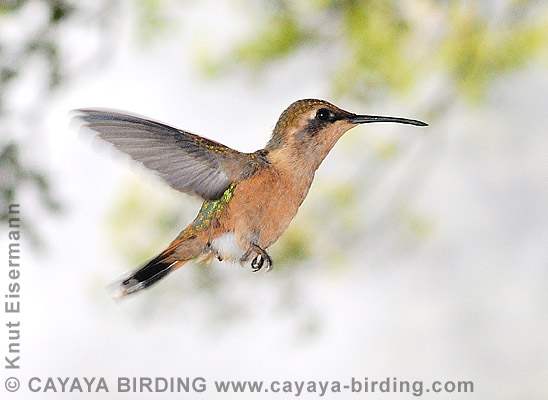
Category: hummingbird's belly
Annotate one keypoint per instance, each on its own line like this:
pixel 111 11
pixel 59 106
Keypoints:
pixel 226 247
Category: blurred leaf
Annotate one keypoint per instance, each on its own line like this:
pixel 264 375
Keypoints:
pixel 40 46
pixel 14 175
pixel 60 10
pixel 152 19
pixel 418 226
pixel 280 36
pixel 145 217
pixel 376 36
pixel 474 51
pixel 11 5
pixel 381 46
pixel 294 246
pixel 7 74
pixel 387 149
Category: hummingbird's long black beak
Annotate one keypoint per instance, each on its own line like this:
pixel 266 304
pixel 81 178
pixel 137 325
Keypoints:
pixel 364 119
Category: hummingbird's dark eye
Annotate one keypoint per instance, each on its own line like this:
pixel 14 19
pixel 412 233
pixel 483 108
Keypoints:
pixel 324 114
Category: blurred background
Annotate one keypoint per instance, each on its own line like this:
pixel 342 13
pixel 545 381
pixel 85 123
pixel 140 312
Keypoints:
pixel 420 254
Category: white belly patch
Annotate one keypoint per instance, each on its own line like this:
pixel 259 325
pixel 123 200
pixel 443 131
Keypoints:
pixel 227 247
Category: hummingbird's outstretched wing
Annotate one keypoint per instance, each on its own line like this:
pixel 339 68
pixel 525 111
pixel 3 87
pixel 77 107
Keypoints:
pixel 187 162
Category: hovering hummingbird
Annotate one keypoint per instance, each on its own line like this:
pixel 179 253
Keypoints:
pixel 249 198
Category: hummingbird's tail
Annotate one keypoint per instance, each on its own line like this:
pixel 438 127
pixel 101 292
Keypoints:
pixel 177 254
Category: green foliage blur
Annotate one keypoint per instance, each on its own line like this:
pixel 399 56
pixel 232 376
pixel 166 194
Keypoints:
pixel 15 172
pixel 395 46
pixel 42 24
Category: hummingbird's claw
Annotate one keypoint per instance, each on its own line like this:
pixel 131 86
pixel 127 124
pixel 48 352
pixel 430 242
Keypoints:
pixel 257 263
pixel 261 259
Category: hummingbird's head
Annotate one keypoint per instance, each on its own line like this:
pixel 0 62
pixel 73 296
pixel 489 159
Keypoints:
pixel 309 128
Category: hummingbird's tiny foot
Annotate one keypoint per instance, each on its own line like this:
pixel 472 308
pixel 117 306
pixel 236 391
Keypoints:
pixel 268 261
pixel 257 263
pixel 261 259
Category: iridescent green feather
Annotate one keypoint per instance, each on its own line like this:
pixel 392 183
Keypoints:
pixel 210 211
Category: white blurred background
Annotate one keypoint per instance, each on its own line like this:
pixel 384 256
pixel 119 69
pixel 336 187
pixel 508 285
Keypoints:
pixel 420 254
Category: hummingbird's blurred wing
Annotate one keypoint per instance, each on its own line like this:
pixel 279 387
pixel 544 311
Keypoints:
pixel 187 162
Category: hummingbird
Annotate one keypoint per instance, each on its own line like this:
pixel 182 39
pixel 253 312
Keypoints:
pixel 249 199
